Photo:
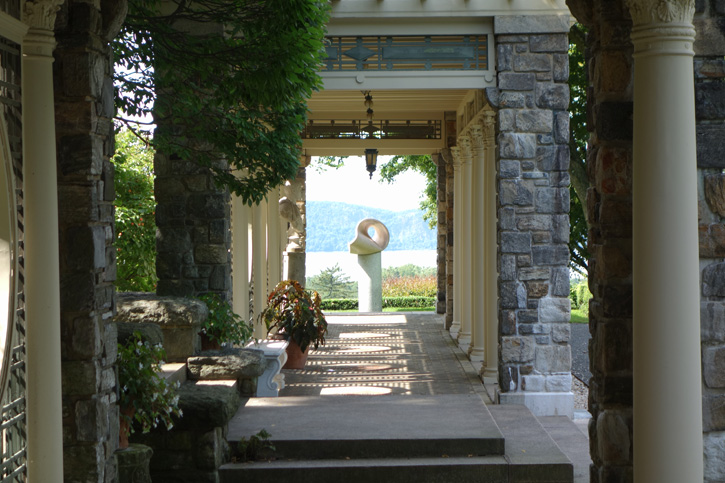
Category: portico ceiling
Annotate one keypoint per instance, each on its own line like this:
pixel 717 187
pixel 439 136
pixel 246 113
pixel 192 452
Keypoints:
pixel 391 104
pixel 401 104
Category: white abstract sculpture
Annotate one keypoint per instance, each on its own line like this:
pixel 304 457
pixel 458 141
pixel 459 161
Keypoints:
pixel 368 248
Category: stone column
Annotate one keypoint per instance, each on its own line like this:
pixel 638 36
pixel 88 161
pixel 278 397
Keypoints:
pixel 240 257
pixel 478 221
pixel 457 267
pixel 532 129
pixel 259 265
pixel 446 154
pixel 666 328
pixel 274 248
pixel 296 235
pixel 490 248
pixel 42 272
pixel 442 235
pixel 466 289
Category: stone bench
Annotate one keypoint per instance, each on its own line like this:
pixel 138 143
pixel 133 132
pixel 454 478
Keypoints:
pixel 275 353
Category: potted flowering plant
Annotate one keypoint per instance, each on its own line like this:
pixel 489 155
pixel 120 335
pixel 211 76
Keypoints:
pixel 146 398
pixel 222 325
pixel 294 314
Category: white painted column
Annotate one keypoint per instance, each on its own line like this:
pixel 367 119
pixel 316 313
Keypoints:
pixel 491 249
pixel 667 418
pixel 259 265
pixel 478 253
pixel 240 257
pixel 274 254
pixel 42 265
pixel 464 336
pixel 457 224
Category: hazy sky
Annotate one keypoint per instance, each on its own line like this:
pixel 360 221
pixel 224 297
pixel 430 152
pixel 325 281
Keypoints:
pixel 351 184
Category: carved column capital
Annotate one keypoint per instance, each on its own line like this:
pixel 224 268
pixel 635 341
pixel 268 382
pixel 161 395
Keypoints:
pixel 661 11
pixel 465 144
pixel 478 139
pixel 488 123
pixel 40 14
pixel 456 155
pixel 662 27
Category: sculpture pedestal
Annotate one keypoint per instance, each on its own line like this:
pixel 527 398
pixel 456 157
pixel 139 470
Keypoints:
pixel 370 283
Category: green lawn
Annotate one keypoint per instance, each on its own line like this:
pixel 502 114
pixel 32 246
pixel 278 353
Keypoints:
pixel 579 316
pixel 387 309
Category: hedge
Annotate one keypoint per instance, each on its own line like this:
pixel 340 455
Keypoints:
pixel 397 302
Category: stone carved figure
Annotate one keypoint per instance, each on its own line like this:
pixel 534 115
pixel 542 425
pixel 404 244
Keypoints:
pixel 367 248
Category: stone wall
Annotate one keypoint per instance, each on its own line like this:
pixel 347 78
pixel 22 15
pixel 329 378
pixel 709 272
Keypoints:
pixel 710 112
pixel 609 204
pixel 442 234
pixel 84 130
pixel 533 205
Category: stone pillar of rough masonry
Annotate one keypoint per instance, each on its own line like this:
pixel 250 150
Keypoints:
pixel 666 338
pixel 532 98
pixel 42 286
pixel 609 207
pixel 710 113
pixel 84 111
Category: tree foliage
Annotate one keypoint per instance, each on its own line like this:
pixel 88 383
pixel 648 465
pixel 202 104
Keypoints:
pixel 578 85
pixel 227 82
pixel 135 214
pixel 424 165
pixel 333 283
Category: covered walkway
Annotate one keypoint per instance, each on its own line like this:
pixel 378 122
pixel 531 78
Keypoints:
pixel 394 391
pixel 391 354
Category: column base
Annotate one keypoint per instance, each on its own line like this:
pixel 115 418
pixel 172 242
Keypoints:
pixel 454 330
pixel 490 373
pixel 464 341
pixel 476 354
pixel 542 403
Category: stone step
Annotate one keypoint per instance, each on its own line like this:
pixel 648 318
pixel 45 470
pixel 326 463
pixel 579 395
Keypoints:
pixel 396 439
pixel 370 427
pixel 174 372
pixel 417 470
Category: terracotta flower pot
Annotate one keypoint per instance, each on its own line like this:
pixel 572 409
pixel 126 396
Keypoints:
pixel 207 344
pixel 296 359
pixel 124 426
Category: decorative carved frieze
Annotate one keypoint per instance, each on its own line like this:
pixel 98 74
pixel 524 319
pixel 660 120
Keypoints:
pixel 661 11
pixel 40 14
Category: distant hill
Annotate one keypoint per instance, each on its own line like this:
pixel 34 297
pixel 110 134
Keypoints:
pixel 331 226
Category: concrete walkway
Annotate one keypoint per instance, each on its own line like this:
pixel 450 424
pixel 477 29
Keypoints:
pixel 409 356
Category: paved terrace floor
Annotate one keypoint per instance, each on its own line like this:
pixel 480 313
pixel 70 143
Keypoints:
pixel 401 355
pixel 392 354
